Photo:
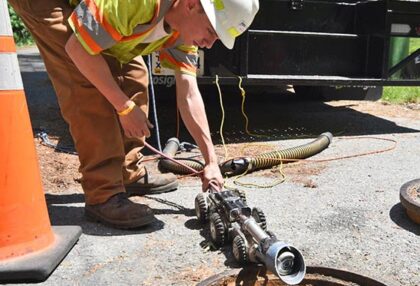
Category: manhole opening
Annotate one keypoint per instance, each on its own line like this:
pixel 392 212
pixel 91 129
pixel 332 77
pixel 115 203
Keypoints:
pixel 316 276
pixel 410 199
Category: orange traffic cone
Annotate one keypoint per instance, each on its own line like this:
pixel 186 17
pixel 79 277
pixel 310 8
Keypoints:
pixel 30 248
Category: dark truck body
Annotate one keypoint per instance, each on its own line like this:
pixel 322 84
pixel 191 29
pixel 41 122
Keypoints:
pixel 320 44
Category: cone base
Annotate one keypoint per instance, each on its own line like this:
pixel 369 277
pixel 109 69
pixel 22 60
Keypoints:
pixel 38 266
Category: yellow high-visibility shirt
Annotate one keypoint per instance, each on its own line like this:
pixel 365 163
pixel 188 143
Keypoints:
pixel 120 28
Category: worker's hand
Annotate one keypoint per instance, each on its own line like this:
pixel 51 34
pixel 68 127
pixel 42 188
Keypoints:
pixel 212 174
pixel 135 123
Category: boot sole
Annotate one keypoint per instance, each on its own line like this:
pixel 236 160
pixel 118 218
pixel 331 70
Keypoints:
pixel 138 190
pixel 95 217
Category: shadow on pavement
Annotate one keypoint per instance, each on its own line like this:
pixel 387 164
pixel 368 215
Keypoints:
pixel 179 209
pixel 399 216
pixel 285 116
pixel 62 211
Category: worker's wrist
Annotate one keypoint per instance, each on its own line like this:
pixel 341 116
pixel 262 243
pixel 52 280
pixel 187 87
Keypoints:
pixel 128 106
pixel 212 160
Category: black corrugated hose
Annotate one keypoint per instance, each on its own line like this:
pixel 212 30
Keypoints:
pixel 171 148
pixel 247 164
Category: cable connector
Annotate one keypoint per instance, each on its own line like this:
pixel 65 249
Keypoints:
pixel 187 146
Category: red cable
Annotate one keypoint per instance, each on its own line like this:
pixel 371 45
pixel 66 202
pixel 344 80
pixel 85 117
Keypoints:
pixel 212 184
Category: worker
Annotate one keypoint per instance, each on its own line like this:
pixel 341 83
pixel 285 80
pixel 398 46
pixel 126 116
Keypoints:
pixel 92 51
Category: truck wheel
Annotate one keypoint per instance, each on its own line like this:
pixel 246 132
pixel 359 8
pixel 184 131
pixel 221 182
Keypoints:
pixel 201 208
pixel 328 93
pixel 259 217
pixel 240 249
pixel 217 230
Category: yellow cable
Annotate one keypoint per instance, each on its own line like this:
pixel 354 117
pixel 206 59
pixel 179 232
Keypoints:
pixel 266 186
pixel 243 94
pixel 236 178
pixel 223 118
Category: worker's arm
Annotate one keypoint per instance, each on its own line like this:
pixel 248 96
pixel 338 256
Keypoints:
pixel 192 110
pixel 96 70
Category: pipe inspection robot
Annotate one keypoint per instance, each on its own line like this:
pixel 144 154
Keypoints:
pixel 231 219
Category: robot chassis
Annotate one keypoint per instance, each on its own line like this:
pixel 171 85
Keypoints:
pixel 231 219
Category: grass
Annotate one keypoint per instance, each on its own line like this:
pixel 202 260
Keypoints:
pixel 401 94
pixel 404 94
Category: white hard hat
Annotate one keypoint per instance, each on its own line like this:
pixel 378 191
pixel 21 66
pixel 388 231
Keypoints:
pixel 230 18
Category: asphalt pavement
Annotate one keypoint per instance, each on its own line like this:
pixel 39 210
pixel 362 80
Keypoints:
pixel 343 214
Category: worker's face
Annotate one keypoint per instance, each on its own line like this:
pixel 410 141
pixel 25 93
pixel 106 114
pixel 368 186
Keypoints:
pixel 196 28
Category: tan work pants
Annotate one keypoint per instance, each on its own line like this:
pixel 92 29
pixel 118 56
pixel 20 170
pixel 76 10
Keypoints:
pixel 107 158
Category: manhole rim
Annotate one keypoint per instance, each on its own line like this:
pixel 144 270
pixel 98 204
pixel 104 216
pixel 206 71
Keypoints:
pixel 412 207
pixel 345 275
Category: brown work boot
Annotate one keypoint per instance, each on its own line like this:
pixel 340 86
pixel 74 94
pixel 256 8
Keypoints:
pixel 153 184
pixel 120 212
